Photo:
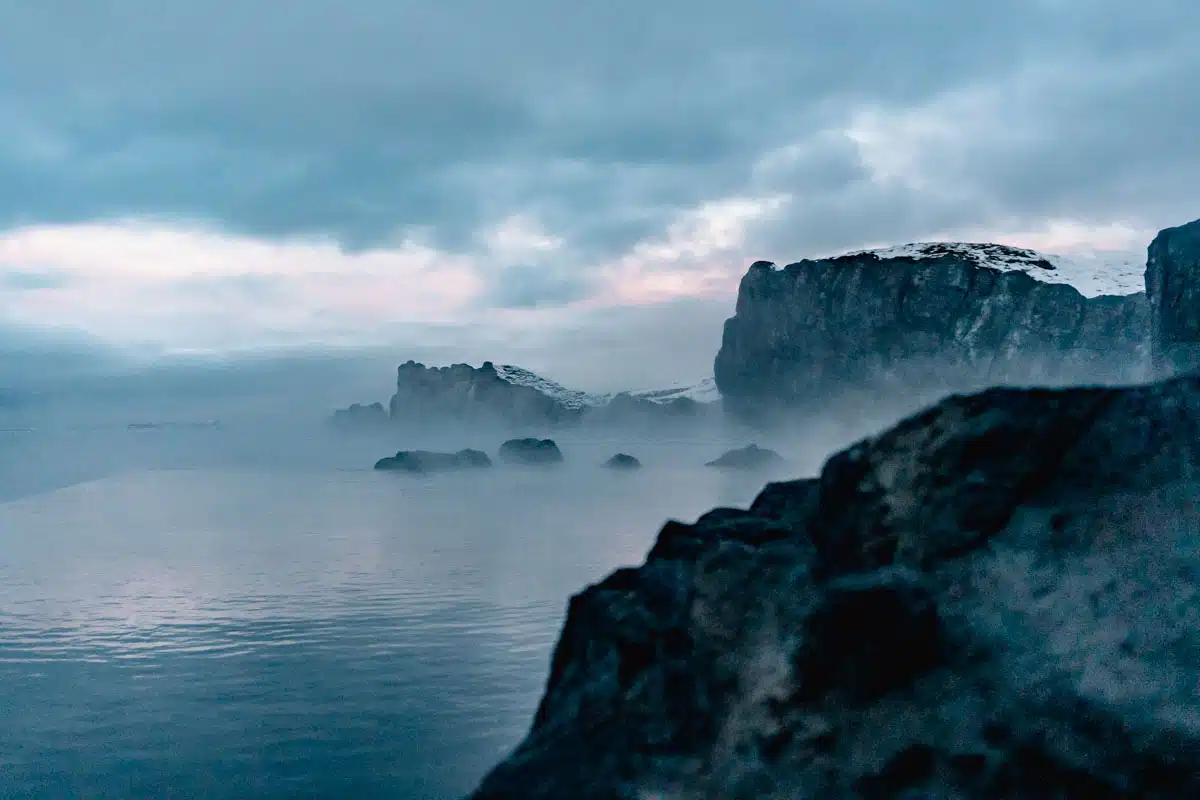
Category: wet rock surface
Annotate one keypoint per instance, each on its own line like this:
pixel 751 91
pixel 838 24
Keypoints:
pixel 1173 288
pixel 998 597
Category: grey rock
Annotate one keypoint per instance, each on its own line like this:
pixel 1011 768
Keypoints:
pixel 1173 289
pixel 424 461
pixel 749 457
pixel 361 416
pixel 461 392
pixel 530 450
pixel 821 333
pixel 997 598
pixel 623 461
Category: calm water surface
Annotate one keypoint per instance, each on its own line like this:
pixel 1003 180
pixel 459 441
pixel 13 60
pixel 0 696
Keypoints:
pixel 318 631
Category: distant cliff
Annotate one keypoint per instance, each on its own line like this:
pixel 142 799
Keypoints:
pixel 925 319
pixel 516 397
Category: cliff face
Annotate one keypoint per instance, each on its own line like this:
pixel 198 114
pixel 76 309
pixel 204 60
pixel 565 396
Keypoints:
pixel 462 392
pixel 996 598
pixel 1173 289
pixel 921 319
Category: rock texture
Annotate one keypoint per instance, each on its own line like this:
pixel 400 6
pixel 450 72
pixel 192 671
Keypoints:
pixel 749 457
pixel 996 598
pixel 424 461
pixel 1173 289
pixel 920 320
pixel 531 451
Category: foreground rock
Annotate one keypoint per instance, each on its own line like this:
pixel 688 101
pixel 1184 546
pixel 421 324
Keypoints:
pixel 426 461
pixel 531 451
pixel 749 457
pixel 623 461
pixel 1173 288
pixel 998 597
pixel 922 320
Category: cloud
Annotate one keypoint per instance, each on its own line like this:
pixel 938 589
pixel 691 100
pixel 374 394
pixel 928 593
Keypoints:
pixel 221 175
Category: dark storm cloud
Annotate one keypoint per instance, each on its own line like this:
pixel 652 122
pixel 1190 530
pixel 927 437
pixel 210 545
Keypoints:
pixel 355 118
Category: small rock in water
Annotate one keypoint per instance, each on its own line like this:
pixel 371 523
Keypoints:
pixel 749 457
pixel 531 451
pixel 428 461
pixel 623 461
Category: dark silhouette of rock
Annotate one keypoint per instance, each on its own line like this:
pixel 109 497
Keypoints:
pixel 360 416
pixel 996 598
pixel 749 457
pixel 531 451
pixel 489 394
pixel 623 461
pixel 917 322
pixel 427 461
pixel 1173 288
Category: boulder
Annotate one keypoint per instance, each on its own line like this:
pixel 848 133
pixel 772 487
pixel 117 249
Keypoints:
pixel 623 461
pixel 424 461
pixel 749 457
pixel 531 451
pixel 997 598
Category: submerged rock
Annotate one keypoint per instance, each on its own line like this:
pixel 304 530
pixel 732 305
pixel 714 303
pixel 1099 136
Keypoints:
pixel 749 457
pixel 623 461
pixel 997 598
pixel 531 451
pixel 428 461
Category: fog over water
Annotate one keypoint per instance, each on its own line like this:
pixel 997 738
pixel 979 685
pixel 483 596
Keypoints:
pixel 250 609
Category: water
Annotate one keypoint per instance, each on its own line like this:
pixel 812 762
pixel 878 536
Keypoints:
pixel 175 622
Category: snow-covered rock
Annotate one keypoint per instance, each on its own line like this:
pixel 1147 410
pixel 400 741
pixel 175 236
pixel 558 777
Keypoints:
pixel 908 323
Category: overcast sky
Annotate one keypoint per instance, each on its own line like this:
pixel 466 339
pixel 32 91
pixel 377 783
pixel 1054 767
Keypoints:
pixel 576 187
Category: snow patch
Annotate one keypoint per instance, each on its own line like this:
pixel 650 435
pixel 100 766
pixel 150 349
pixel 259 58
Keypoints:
pixel 703 392
pixel 1092 273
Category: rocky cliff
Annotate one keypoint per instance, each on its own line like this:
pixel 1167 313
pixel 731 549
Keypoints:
pixel 921 320
pixel 489 394
pixel 998 597
pixel 1173 289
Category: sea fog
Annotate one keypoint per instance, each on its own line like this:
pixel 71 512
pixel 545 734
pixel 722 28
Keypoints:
pixel 249 609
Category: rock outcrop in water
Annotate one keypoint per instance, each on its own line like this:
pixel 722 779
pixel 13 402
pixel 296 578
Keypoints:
pixel 996 598
pixel 531 451
pixel 1173 288
pixel 423 461
pixel 922 320
pixel 623 461
pixel 749 457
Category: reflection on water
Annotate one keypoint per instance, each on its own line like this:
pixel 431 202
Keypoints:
pixel 270 632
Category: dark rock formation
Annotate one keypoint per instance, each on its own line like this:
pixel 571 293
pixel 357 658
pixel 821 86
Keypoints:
pixel 462 393
pixel 426 461
pixel 360 416
pixel 623 461
pixel 749 457
pixel 996 598
pixel 531 451
pixel 1173 288
pixel 919 322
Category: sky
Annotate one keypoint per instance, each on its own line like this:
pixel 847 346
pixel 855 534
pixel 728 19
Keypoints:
pixel 576 188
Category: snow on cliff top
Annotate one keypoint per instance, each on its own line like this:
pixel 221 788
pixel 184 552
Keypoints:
pixel 703 392
pixel 1091 273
